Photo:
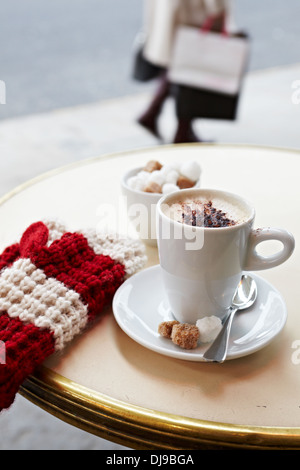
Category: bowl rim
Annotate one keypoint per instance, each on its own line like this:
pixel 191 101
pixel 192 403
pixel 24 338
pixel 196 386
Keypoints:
pixel 134 171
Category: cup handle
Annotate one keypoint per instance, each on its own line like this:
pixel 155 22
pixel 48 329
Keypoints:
pixel 256 262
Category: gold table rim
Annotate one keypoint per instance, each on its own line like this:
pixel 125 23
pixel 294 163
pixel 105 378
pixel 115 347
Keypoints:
pixel 132 425
pixel 143 428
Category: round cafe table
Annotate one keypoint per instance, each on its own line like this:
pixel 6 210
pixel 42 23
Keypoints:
pixel 111 386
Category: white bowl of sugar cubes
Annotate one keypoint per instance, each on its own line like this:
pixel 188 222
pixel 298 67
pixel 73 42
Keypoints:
pixel 143 187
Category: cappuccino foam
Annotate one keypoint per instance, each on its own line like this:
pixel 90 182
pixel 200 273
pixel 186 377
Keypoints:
pixel 206 212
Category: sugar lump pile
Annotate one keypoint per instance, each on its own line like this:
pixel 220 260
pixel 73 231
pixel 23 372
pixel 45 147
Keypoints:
pixel 187 336
pixel 164 179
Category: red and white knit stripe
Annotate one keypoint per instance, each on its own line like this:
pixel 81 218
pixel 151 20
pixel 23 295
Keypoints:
pixel 28 294
pixel 52 284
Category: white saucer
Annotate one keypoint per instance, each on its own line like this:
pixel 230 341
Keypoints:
pixel 139 306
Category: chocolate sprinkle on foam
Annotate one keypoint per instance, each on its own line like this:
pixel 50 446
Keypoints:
pixel 205 215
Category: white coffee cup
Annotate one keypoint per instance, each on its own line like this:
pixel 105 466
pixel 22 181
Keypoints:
pixel 202 266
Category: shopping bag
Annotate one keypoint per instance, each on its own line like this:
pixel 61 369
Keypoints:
pixel 208 69
pixel 143 70
pixel 193 103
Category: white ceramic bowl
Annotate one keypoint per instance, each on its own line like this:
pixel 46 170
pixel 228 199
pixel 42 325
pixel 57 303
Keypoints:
pixel 141 208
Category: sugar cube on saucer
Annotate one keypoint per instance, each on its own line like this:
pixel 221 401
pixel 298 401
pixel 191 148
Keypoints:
pixel 209 328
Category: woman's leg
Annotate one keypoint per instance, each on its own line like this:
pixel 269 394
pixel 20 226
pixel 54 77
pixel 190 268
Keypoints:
pixel 150 117
pixel 185 133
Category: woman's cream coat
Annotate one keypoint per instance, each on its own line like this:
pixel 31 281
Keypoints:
pixel 163 16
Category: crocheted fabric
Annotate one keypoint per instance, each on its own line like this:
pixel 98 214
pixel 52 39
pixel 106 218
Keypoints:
pixel 52 283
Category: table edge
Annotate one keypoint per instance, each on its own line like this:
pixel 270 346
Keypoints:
pixel 142 428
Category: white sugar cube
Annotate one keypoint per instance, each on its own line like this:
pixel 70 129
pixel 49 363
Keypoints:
pixel 169 188
pixel 165 169
pixel 190 170
pixel 144 175
pixel 157 177
pixel 132 181
pixel 140 184
pixel 137 183
pixel 176 166
pixel 209 328
pixel 172 177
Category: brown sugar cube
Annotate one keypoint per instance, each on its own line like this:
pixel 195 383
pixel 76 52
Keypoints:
pixel 184 183
pixel 165 328
pixel 152 165
pixel 185 335
pixel 153 187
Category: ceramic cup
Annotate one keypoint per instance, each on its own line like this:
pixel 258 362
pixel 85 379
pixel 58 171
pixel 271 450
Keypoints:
pixel 202 266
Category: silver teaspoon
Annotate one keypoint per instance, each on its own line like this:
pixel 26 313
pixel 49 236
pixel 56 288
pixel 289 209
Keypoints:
pixel 245 295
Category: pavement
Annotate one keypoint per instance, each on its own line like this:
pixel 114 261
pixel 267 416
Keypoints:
pixel 269 115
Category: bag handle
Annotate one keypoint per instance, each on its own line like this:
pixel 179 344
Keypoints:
pixel 209 22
